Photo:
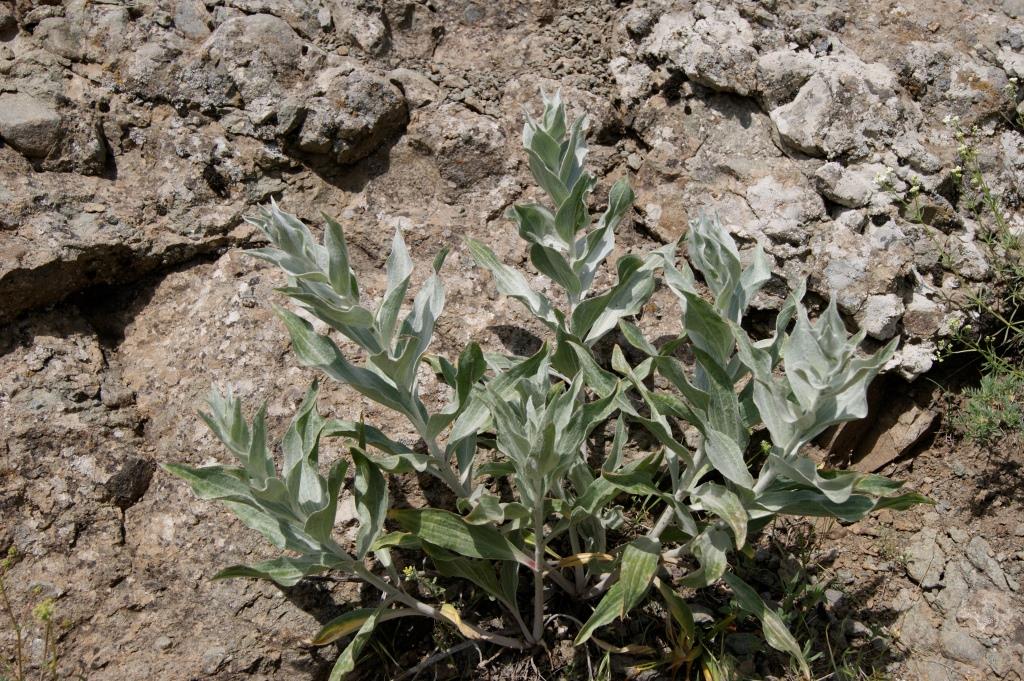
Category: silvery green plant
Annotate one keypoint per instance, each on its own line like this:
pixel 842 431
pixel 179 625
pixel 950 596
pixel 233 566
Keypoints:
pixel 527 422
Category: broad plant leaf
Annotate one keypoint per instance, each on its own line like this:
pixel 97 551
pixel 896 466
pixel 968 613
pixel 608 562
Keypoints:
pixel 637 566
pixel 721 501
pixel 451 532
pixel 512 283
pixel 285 570
pixel 371 496
pixel 775 631
pixel 346 662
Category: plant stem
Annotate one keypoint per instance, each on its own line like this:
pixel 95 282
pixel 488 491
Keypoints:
pixel 574 541
pixel 683 489
pixel 560 580
pixel 767 478
pixel 445 471
pixel 435 613
pixel 538 575
pixel 17 630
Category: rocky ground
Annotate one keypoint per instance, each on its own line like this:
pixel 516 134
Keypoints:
pixel 137 136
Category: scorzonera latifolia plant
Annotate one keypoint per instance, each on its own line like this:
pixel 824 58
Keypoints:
pixel 561 528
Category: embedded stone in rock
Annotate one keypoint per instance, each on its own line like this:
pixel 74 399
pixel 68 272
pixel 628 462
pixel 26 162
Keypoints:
pixel 81 149
pixel 126 487
pixel 916 629
pixel 192 19
pixel 260 53
pixel 61 37
pixel 845 109
pixel 363 27
pixel 1012 62
pixel 959 645
pixel 7 19
pixel 925 558
pixel 781 74
pixel 418 89
pixel 915 359
pixel 784 207
pixel 979 553
pixel 922 317
pixel 671 31
pixel 713 47
pixel 466 145
pixel 989 613
pixel 357 112
pixel 720 52
pixel 28 124
pixel 633 79
pixel 845 186
pixel 966 256
pixel 880 315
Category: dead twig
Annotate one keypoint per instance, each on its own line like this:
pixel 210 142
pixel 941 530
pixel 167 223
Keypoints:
pixel 437 657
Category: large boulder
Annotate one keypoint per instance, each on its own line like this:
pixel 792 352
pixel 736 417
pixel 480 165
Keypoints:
pixel 354 112
pixel 713 47
pixel 846 109
pixel 262 55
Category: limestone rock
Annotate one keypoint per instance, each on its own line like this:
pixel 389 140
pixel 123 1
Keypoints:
pixel 28 124
pixel 850 187
pixel 856 266
pixel 719 52
pixel 988 613
pixel 466 146
pixel 979 553
pixel 355 113
pixel 939 74
pixel 192 19
pixel 785 208
pixel 163 124
pixel 966 255
pixel 916 627
pixel 913 360
pixel 260 53
pixel 845 109
pixel 959 645
pixel 418 89
pixel 880 314
pixel 7 18
pixel 713 47
pixel 781 74
pixel 922 317
pixel 362 25
pixel 925 559
pixel 633 79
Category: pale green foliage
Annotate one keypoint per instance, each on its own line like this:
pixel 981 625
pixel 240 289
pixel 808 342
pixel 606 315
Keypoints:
pixel 538 412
